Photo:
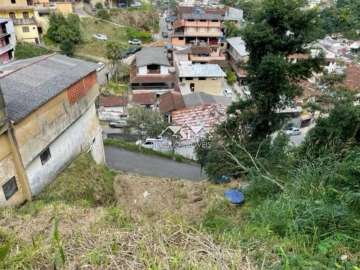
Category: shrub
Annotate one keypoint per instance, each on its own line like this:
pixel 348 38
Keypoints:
pixel 103 14
pixel 99 5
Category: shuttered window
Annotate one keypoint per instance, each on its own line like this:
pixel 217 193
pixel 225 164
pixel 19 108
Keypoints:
pixel 10 188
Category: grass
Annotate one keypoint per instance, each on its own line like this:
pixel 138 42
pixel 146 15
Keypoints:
pixel 25 50
pixel 146 151
pixel 58 230
pixel 118 89
pixel 97 48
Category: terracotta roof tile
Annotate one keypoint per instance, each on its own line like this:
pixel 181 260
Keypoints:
pixel 352 79
pixel 113 101
pixel 171 101
pixel 144 98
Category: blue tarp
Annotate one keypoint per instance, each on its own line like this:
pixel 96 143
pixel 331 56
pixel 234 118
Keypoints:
pixel 234 196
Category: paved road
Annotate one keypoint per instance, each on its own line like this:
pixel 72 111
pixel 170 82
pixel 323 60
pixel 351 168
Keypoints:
pixel 119 159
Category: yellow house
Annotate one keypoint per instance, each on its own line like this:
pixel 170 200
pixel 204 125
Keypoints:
pixel 23 15
pixel 206 78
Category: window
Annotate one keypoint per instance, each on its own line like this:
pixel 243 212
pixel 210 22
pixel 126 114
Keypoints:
pixel 189 78
pixel 13 1
pixel 26 15
pixel 10 188
pixel 12 15
pixel 202 78
pixel 25 29
pixel 45 156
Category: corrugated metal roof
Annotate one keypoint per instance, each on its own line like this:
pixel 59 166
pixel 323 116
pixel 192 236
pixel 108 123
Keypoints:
pixel 234 14
pixel 152 56
pixel 28 84
pixel 201 98
pixel 200 70
pixel 239 45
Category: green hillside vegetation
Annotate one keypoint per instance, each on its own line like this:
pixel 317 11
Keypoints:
pixel 25 50
pixel 89 217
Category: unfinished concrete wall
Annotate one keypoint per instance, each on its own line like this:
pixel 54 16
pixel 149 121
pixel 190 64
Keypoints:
pixel 60 129
pixel 7 171
pixel 83 135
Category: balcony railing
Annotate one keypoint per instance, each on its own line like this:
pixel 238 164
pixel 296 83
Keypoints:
pixel 6 48
pixel 206 24
pixel 26 21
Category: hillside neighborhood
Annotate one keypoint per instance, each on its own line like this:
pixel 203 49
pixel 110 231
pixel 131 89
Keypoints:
pixel 211 134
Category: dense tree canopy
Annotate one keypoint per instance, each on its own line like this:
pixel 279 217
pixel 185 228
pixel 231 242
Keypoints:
pixel 64 31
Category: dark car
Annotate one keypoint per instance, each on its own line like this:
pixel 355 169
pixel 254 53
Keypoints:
pixel 170 19
pixel 131 51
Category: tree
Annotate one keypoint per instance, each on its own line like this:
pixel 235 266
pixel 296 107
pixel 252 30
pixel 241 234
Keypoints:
pixel 65 31
pixel 231 30
pixel 146 121
pixel 280 28
pixel 103 14
pixel 99 5
pixel 231 77
pixel 113 53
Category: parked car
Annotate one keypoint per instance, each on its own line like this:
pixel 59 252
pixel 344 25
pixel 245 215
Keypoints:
pixel 165 34
pixel 228 92
pixel 100 67
pixel 135 5
pixel 118 124
pixel 135 41
pixel 131 51
pixel 122 5
pixel 293 131
pixel 100 37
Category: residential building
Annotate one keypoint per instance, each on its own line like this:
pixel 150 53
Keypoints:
pixel 112 108
pixel 198 26
pixel 145 98
pixel 198 121
pixel 50 106
pixel 201 98
pixel 169 102
pixel 238 57
pixel 14 188
pixel 23 14
pixel 7 41
pixel 352 77
pixel 207 78
pixel 152 71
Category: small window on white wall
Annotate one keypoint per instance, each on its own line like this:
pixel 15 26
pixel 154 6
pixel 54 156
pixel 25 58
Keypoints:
pixel 45 156
pixel 10 188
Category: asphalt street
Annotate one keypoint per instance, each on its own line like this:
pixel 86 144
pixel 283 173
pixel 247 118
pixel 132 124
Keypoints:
pixel 123 160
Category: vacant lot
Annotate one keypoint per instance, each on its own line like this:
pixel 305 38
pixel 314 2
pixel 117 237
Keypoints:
pixel 91 218
pixel 92 46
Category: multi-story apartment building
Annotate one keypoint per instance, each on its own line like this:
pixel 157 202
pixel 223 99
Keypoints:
pixel 23 15
pixel 50 119
pixel 197 26
pixel 152 71
pixel 7 41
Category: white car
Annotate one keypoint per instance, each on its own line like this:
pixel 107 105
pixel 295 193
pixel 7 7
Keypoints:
pixel 228 92
pixel 135 5
pixel 135 41
pixel 100 37
pixel 293 131
pixel 100 67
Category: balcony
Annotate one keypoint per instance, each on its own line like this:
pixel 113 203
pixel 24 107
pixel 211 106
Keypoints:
pixel 151 77
pixel 206 24
pixel 6 48
pixel 2 35
pixel 27 21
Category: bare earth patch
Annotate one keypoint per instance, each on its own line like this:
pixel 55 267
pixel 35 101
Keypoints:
pixel 156 198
